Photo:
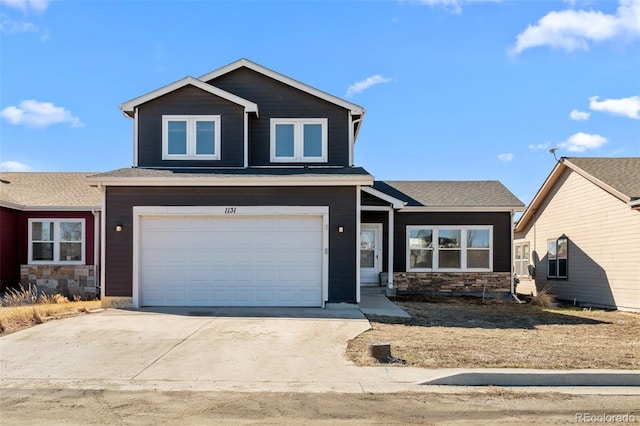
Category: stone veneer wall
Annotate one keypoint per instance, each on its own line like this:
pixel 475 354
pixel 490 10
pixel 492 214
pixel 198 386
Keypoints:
pixel 451 282
pixel 67 280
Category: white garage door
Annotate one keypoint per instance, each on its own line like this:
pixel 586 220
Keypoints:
pixel 230 261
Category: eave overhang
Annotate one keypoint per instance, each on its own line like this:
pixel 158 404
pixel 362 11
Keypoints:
pixel 218 181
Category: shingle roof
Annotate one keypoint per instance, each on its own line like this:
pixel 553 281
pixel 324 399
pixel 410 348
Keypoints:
pixel 56 189
pixel 230 173
pixel 622 174
pixel 490 193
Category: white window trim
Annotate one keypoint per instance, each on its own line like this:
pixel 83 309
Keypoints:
pixel 191 137
pixel 526 261
pixel 463 248
pixel 56 242
pixel 298 140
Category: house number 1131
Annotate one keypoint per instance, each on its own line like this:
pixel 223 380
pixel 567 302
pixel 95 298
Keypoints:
pixel 229 210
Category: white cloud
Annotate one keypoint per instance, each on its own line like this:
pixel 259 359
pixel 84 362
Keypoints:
pixel 576 29
pixel 580 142
pixel 37 6
pixel 627 107
pixel 454 6
pixel 579 115
pixel 33 113
pixel 12 27
pixel 540 146
pixel 14 166
pixel 506 157
pixel 366 83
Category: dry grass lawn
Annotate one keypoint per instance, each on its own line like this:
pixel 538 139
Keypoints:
pixel 14 318
pixel 465 333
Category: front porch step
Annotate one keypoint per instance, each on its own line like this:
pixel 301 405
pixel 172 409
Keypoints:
pixel 372 290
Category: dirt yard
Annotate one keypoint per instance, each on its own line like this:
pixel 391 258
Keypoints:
pixel 101 407
pixel 465 332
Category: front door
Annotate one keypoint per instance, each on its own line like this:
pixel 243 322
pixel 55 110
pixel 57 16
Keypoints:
pixel 370 253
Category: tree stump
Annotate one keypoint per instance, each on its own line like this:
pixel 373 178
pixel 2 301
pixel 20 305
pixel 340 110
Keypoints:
pixel 381 352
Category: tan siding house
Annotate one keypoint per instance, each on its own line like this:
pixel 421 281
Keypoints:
pixel 580 236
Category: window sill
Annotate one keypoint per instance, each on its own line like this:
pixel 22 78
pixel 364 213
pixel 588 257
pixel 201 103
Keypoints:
pixel 184 157
pixel 449 270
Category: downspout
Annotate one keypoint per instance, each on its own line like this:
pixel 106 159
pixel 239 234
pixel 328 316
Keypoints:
pixel 103 242
pixel 96 248
pixel 358 218
pixel 513 290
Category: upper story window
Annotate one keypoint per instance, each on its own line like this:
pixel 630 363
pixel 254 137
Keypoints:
pixel 557 251
pixel 191 137
pixel 449 248
pixel 56 241
pixel 299 139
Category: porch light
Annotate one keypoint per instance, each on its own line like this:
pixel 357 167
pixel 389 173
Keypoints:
pixel 341 229
pixel 119 227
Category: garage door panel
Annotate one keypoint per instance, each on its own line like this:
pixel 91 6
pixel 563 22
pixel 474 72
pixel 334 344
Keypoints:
pixel 227 261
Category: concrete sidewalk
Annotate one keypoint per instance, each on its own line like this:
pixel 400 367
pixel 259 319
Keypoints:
pixel 378 304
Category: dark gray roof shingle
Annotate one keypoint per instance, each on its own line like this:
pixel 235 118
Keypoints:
pixel 622 174
pixel 222 173
pixel 489 193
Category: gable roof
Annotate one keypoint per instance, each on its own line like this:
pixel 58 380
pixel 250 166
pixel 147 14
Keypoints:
pixel 621 174
pixel 129 106
pixel 618 176
pixel 451 195
pixel 48 191
pixel 355 109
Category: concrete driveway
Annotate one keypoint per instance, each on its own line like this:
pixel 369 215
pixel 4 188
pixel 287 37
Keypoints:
pixel 186 347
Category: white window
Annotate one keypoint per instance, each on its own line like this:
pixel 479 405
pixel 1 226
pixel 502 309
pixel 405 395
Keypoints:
pixel 449 248
pixel 56 241
pixel 298 140
pixel 522 260
pixel 557 254
pixel 191 137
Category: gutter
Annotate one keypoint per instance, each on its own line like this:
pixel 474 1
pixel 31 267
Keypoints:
pixel 513 289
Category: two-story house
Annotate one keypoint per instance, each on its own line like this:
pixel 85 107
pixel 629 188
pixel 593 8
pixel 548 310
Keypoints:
pixel 244 193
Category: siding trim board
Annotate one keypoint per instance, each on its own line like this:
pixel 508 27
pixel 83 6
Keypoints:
pixel 237 181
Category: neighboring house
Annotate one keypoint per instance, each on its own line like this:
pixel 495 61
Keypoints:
pixel 579 239
pixel 244 193
pixel 49 233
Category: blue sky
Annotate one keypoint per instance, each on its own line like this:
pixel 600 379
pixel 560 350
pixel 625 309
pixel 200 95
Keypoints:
pixel 454 89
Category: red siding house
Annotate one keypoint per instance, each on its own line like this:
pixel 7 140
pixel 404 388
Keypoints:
pixel 49 233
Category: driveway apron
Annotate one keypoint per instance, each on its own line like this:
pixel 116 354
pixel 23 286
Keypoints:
pixel 188 346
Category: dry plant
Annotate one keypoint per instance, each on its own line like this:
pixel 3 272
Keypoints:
pixel 543 299
pixel 20 296
pixel 23 307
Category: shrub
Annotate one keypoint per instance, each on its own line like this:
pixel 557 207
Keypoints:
pixel 544 299
pixel 20 296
